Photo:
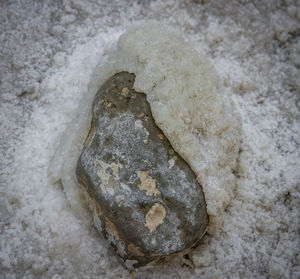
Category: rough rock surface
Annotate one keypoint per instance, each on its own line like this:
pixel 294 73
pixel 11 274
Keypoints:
pixel 146 199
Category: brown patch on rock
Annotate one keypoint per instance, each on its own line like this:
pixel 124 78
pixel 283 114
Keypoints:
pixel 111 228
pixel 135 250
pixel 125 92
pixel 155 217
pixel 147 183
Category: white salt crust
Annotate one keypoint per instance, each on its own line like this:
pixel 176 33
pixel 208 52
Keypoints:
pixel 187 103
pixel 48 60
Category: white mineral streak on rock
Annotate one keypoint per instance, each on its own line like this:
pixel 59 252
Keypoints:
pixel 138 124
pixel 171 163
pixel 129 263
pixel 97 221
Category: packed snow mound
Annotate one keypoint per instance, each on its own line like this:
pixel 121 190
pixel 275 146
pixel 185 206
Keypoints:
pixel 187 103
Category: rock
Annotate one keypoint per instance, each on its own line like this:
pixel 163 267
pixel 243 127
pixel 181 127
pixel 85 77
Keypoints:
pixel 146 199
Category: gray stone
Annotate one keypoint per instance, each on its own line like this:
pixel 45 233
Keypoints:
pixel 146 199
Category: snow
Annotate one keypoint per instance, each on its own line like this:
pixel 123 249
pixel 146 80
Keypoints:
pixel 50 59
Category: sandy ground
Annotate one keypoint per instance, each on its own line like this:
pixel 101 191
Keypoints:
pixel 255 49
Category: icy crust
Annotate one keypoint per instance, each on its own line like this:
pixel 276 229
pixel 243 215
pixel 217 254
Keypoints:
pixel 187 103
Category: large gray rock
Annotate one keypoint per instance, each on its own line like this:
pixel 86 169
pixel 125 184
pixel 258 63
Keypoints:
pixel 146 199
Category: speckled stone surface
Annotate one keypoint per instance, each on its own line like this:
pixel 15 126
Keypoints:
pixel 146 199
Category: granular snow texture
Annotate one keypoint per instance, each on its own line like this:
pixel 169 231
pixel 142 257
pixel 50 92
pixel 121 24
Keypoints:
pixel 47 51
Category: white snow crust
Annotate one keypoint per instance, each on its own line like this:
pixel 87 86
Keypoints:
pixel 53 59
